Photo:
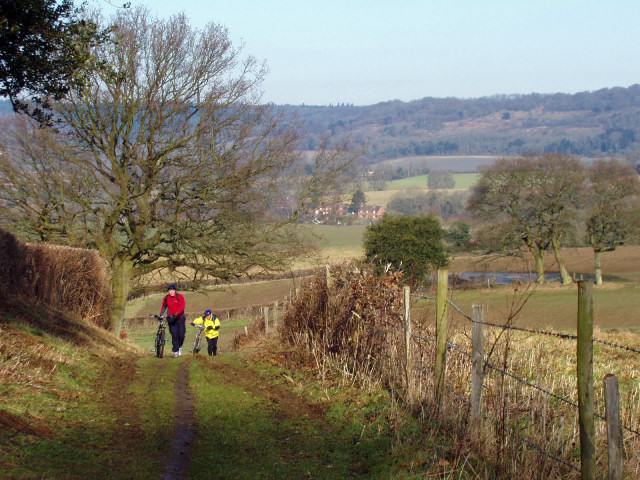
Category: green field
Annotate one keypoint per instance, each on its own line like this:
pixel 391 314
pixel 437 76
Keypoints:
pixel 463 181
pixel 413 185
pixel 452 163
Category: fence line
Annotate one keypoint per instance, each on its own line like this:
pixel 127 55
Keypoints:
pixel 533 445
pixel 566 336
pixel 452 346
pixel 586 412
pixel 585 340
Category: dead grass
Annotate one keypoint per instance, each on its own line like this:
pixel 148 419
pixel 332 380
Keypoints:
pixel 350 328
pixel 71 279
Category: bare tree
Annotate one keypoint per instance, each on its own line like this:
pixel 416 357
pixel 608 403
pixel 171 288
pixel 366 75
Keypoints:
pixel 530 200
pixel 611 204
pixel 168 162
pixel 557 184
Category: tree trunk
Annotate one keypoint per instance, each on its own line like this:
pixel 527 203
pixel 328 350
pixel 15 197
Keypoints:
pixel 564 274
pixel 120 283
pixel 596 261
pixel 538 256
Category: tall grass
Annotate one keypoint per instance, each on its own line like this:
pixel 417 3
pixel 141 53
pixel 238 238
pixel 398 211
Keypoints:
pixel 349 325
pixel 72 279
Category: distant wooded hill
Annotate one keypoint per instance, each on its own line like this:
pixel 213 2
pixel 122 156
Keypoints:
pixel 602 123
pixel 589 124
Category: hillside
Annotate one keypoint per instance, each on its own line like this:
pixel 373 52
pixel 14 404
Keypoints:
pixel 589 124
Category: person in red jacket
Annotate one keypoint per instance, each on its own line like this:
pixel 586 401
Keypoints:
pixel 173 302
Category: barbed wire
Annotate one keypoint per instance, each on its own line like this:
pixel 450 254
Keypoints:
pixel 428 339
pixel 536 447
pixel 611 344
pixel 564 336
pixel 511 327
pixel 532 385
pixel 537 331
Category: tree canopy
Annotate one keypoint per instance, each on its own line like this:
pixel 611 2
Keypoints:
pixel 439 179
pixel 413 244
pixel 358 199
pixel 531 201
pixel 167 163
pixel 612 213
pixel 45 51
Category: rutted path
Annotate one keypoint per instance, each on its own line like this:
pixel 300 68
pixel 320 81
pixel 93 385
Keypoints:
pixel 184 433
pixel 227 421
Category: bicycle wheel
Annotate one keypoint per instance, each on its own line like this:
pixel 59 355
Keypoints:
pixel 196 344
pixel 160 344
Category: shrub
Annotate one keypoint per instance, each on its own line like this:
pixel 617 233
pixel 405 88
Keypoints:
pixel 72 279
pixel 351 320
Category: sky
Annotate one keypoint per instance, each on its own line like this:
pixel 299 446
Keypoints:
pixel 362 52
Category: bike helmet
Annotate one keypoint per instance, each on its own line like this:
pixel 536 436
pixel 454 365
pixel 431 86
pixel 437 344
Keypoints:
pixel 207 313
pixel 172 286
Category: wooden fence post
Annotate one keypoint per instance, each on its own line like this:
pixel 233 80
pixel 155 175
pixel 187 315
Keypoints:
pixel 328 277
pixel 585 380
pixel 477 363
pixel 275 315
pixel 265 311
pixel 441 334
pixel 407 342
pixel 614 427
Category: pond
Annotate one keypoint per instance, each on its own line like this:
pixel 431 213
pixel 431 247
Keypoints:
pixel 504 278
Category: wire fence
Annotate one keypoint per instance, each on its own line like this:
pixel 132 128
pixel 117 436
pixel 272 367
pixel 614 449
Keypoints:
pixel 450 346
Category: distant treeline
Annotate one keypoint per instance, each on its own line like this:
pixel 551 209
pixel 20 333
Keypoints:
pixel 601 123
pixel 591 124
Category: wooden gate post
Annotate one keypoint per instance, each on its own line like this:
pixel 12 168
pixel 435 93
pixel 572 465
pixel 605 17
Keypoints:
pixel 477 363
pixel 585 380
pixel 441 334
pixel 265 311
pixel 407 342
pixel 614 427
pixel 275 315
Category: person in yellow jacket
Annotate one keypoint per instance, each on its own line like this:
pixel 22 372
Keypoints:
pixel 211 326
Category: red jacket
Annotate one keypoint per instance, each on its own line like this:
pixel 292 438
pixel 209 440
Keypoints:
pixel 175 305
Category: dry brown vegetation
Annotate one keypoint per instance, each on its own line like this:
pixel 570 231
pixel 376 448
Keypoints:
pixel 70 279
pixel 349 327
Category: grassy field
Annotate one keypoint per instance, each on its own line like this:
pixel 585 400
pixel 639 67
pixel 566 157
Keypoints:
pixel 452 163
pixel 463 181
pixel 413 185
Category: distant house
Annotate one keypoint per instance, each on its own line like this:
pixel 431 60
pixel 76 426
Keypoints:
pixel 371 212
pixel 325 213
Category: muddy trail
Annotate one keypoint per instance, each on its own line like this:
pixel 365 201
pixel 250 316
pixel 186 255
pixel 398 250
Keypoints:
pixel 229 422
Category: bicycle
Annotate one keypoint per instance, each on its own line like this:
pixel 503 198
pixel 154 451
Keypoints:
pixel 197 342
pixel 160 336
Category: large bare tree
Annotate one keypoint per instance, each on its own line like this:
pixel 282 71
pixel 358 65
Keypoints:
pixel 530 200
pixel 168 161
pixel 611 207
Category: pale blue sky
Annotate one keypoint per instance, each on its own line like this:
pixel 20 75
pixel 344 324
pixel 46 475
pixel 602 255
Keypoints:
pixel 322 52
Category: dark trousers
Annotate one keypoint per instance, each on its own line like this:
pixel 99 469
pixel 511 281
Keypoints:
pixel 212 346
pixel 177 330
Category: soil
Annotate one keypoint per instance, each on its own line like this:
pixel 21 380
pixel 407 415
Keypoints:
pixel 184 432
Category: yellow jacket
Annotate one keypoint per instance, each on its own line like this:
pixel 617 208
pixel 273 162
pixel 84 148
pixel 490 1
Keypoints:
pixel 211 326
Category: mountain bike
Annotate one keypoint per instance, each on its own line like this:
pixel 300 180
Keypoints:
pixel 160 336
pixel 197 342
